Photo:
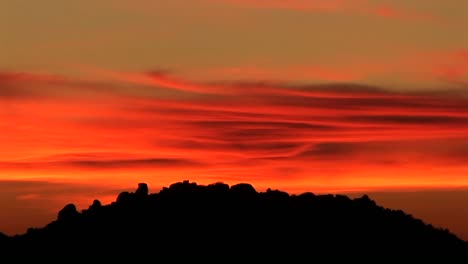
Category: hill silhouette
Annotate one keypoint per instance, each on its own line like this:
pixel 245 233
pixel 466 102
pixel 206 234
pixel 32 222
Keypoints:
pixel 222 220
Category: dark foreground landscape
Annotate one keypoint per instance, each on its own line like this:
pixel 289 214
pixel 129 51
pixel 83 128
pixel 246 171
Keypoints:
pixel 222 220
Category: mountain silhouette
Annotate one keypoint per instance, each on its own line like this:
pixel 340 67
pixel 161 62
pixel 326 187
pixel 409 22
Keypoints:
pixel 221 220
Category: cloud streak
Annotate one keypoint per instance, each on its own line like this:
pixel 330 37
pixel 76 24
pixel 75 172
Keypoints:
pixel 100 164
pixel 430 66
pixel 360 7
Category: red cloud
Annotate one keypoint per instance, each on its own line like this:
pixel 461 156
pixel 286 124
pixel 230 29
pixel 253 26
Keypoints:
pixel 328 136
pixel 15 77
pixel 363 7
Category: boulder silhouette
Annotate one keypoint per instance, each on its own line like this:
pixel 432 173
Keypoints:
pixel 218 220
pixel 243 190
pixel 68 213
pixel 142 189
pixel 124 197
pixel 96 204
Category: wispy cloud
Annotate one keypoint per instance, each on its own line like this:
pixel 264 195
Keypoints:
pixel 330 135
pixel 359 7
pixel 367 8
pixel 97 164
pixel 430 66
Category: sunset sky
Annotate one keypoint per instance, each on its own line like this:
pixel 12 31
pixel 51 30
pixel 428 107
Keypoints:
pixel 328 96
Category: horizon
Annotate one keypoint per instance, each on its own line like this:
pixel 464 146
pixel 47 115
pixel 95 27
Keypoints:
pixel 337 96
pixel 409 201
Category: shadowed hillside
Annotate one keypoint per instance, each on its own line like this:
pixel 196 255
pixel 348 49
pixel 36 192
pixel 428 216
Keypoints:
pixel 218 219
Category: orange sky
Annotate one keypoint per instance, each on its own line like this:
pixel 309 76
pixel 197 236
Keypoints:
pixel 303 95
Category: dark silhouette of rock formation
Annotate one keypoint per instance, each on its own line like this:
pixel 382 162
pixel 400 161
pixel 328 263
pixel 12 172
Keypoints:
pixel 222 220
